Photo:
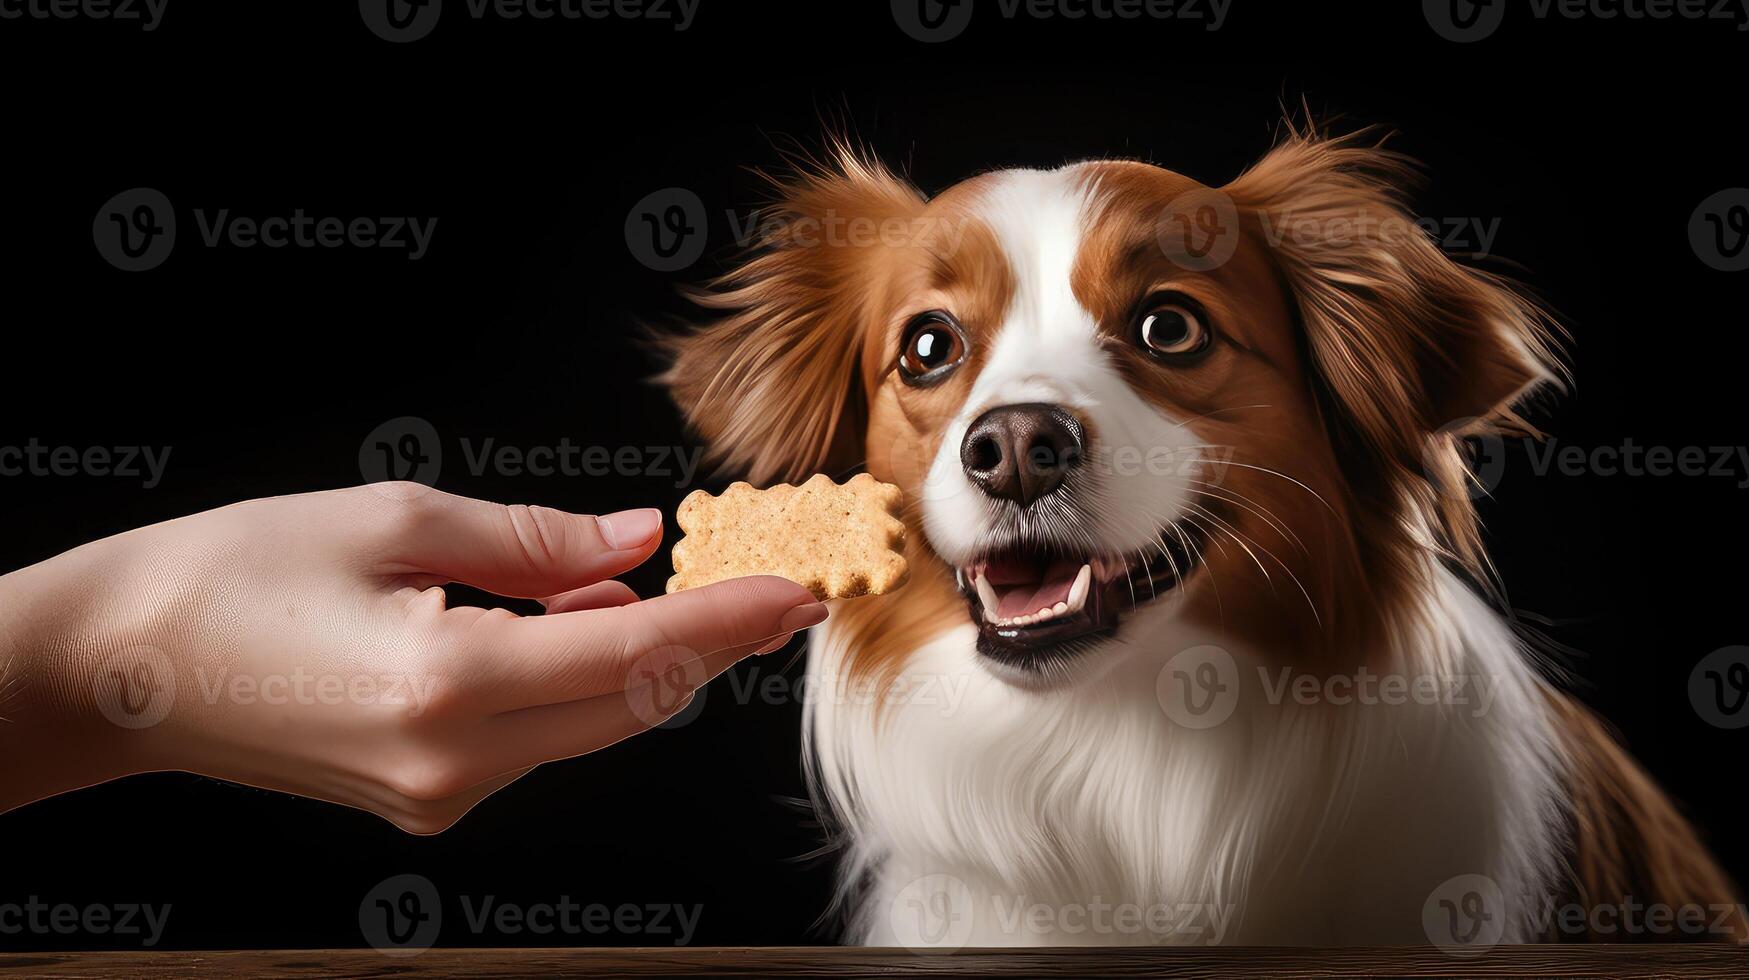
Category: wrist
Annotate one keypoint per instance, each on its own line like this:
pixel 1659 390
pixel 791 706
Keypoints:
pixel 57 727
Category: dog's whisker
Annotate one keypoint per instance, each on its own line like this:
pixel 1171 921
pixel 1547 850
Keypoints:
pixel 1238 535
pixel 1245 503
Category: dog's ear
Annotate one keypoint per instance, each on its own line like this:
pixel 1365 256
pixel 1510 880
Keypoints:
pixel 1411 351
pixel 1408 342
pixel 773 384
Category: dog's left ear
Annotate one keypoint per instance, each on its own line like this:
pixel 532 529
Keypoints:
pixel 773 383
pixel 1407 342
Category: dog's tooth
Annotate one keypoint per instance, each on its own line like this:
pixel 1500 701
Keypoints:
pixel 1078 591
pixel 1060 608
pixel 987 596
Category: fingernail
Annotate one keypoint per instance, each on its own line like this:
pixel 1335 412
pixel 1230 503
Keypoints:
pixel 629 528
pixel 802 617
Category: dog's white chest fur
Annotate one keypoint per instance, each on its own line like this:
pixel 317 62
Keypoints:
pixel 1314 812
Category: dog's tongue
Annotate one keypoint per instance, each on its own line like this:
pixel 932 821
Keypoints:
pixel 1025 585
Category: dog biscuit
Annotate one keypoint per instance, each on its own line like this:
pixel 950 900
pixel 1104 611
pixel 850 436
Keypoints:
pixel 837 542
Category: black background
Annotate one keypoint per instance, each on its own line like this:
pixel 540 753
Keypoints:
pixel 1592 141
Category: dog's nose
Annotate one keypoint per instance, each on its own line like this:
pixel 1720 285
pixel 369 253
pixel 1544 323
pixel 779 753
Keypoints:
pixel 1021 452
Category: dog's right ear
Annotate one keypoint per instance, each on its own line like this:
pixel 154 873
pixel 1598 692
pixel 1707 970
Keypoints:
pixel 773 385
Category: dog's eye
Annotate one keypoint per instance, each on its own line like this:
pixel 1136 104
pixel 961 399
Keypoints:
pixel 930 348
pixel 1173 326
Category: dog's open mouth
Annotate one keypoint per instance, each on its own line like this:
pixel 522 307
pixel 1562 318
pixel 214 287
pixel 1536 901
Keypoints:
pixel 1033 603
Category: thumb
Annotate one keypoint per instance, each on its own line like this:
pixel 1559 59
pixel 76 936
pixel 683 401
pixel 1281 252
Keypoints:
pixel 520 550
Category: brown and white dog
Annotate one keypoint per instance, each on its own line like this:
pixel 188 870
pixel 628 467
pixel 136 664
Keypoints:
pixel 1185 482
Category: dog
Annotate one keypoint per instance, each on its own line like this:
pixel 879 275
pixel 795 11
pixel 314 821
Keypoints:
pixel 1199 644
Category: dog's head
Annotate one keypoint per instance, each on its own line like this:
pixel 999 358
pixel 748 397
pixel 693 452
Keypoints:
pixel 1116 398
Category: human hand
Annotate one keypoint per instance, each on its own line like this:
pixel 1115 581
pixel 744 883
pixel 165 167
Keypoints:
pixel 303 644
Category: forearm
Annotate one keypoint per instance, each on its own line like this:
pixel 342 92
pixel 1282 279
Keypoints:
pixel 54 736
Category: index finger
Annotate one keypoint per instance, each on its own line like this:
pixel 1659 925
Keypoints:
pixel 568 656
